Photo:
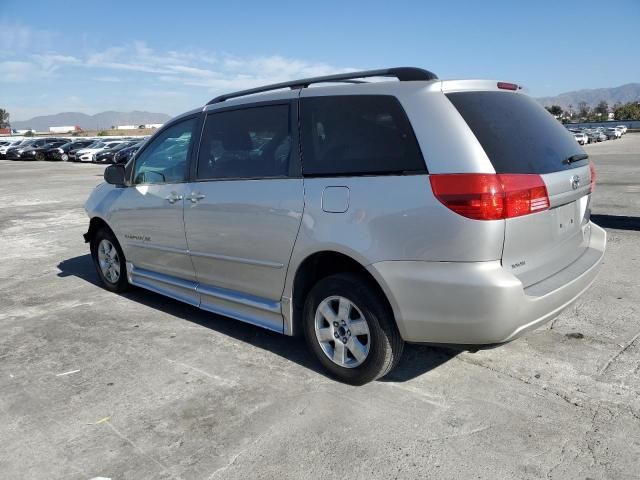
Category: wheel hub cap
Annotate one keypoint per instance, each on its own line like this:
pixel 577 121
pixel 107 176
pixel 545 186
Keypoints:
pixel 109 261
pixel 342 331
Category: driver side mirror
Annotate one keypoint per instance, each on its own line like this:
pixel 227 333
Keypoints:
pixel 115 175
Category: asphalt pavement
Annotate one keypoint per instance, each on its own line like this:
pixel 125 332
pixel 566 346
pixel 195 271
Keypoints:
pixel 138 386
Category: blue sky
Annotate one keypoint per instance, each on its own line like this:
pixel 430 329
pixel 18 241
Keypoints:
pixel 172 56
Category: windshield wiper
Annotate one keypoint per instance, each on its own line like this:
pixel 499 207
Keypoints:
pixel 575 158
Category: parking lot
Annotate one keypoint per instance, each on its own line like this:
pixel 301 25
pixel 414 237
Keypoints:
pixel 138 386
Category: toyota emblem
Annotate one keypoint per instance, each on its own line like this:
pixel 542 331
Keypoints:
pixel 575 182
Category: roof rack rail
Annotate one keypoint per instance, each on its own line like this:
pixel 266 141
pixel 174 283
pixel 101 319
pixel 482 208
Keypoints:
pixel 403 74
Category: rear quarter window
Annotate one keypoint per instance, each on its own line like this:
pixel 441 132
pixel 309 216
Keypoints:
pixel 517 134
pixel 357 135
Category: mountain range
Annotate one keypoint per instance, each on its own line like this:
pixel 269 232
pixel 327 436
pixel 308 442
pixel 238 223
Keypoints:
pixel 623 94
pixel 99 121
pixel 104 120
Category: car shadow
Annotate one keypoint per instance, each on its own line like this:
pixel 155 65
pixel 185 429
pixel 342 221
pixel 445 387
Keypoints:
pixel 416 359
pixel 617 222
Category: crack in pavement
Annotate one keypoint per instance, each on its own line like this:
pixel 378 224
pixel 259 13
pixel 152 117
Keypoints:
pixel 163 468
pixel 558 394
pixel 620 352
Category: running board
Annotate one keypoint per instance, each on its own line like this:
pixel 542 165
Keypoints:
pixel 229 303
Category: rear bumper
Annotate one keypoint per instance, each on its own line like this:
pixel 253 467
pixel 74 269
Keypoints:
pixel 480 303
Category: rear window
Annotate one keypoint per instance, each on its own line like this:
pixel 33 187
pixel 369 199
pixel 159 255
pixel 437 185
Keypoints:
pixel 357 135
pixel 517 134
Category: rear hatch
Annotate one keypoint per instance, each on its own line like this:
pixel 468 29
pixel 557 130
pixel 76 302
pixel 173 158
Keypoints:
pixel 520 137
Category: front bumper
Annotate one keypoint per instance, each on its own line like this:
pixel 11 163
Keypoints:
pixel 103 160
pixel 480 303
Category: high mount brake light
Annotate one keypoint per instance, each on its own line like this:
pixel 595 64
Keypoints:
pixel 487 196
pixel 507 86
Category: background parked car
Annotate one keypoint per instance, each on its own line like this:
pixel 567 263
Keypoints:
pixel 7 146
pixel 15 153
pixel 74 151
pixel 124 155
pixel 597 136
pixel 62 152
pixel 581 138
pixel 88 154
pixel 106 156
pixel 40 153
pixel 613 133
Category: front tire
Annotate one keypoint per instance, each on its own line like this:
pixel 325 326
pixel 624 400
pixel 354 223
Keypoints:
pixel 351 329
pixel 109 261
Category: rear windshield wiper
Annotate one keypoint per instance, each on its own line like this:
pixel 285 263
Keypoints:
pixel 575 158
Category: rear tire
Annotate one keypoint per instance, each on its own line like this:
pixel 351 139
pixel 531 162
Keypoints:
pixel 109 261
pixel 351 329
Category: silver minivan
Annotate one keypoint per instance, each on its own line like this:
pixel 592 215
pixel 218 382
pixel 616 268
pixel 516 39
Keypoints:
pixel 360 213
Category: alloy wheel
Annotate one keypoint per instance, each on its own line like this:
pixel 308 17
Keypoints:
pixel 342 331
pixel 109 261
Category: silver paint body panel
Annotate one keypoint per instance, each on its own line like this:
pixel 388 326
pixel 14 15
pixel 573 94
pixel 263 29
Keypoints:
pixel 241 235
pixel 480 302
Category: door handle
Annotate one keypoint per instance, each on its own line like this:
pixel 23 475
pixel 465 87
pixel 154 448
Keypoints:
pixel 195 197
pixel 173 197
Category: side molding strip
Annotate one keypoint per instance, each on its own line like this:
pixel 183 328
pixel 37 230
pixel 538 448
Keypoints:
pixel 227 258
pixel 248 261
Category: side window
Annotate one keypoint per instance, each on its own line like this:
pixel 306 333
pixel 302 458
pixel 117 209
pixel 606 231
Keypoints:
pixel 357 134
pixel 165 158
pixel 252 142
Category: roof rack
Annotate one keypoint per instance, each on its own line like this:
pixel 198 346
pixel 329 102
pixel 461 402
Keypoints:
pixel 403 74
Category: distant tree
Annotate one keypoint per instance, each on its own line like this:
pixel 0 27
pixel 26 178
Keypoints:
pixel 602 108
pixel 4 118
pixel 628 111
pixel 29 133
pixel 555 110
pixel 103 133
pixel 583 109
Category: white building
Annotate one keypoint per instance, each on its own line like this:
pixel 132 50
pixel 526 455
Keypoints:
pixel 153 125
pixel 66 129
pixel 126 127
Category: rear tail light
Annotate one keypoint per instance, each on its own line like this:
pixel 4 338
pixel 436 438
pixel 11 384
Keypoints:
pixel 486 196
pixel 592 169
